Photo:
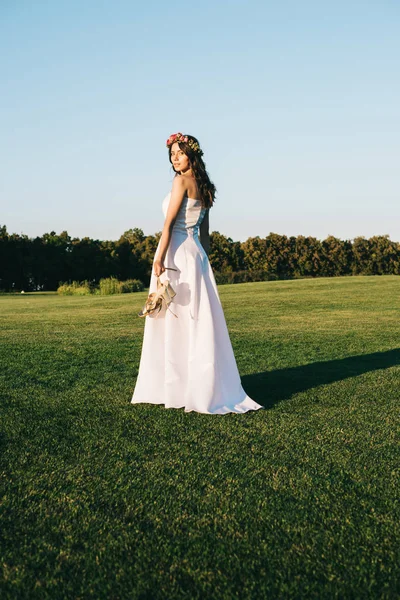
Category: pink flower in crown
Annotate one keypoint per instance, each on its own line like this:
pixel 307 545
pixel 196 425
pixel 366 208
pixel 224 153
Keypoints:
pixel 176 137
pixel 170 139
pixel 173 137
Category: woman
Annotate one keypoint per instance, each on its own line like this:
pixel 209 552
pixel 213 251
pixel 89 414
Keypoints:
pixel 187 359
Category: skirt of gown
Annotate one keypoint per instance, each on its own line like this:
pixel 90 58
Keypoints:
pixel 187 360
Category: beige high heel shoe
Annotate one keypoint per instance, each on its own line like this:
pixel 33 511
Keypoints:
pixel 154 302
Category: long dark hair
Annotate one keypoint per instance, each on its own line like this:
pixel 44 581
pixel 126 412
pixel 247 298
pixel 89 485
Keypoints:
pixel 206 188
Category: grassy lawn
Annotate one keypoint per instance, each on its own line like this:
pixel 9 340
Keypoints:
pixel 106 500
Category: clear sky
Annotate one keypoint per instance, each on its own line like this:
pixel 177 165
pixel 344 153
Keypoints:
pixel 295 104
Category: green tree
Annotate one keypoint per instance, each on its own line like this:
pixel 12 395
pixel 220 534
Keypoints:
pixel 225 254
pixel 336 257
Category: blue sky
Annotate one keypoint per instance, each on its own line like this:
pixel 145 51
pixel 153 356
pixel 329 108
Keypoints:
pixel 295 104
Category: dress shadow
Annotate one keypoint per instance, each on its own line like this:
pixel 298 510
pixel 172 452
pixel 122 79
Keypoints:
pixel 270 387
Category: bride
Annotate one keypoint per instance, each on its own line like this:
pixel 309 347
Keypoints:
pixel 187 360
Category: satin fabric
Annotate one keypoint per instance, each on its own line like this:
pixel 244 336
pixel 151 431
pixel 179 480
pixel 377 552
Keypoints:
pixel 188 362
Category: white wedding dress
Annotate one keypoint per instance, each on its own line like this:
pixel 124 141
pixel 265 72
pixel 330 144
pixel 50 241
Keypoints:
pixel 187 361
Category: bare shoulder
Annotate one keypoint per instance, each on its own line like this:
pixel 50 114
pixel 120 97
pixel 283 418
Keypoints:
pixel 178 184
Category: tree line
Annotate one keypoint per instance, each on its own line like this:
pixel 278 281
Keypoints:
pixel 42 263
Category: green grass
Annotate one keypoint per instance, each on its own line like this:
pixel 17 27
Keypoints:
pixel 104 499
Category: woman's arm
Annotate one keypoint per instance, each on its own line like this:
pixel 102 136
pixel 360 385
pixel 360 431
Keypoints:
pixel 177 195
pixel 205 233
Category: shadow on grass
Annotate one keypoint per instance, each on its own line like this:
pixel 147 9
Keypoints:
pixel 271 387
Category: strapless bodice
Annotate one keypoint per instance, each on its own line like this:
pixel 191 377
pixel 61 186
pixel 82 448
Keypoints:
pixel 189 217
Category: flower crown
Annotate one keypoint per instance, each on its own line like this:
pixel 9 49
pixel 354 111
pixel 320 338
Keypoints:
pixel 179 137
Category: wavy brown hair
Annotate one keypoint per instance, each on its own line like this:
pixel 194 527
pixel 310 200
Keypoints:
pixel 205 186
